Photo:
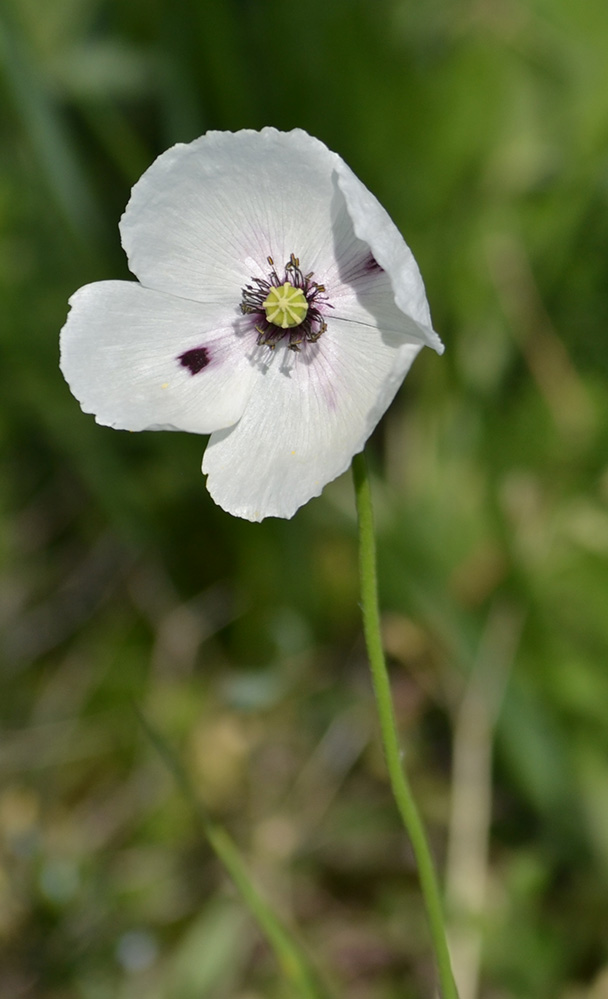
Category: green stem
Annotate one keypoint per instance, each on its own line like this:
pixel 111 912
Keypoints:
pixel 399 783
pixel 290 956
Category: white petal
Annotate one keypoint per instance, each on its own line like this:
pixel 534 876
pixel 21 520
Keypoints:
pixel 359 290
pixel 203 219
pixel 122 353
pixel 305 419
pixel 373 225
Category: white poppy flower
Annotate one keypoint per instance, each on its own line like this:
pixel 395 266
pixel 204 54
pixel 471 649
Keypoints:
pixel 277 308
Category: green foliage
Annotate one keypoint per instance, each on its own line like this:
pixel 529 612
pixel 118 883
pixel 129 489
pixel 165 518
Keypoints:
pixel 482 128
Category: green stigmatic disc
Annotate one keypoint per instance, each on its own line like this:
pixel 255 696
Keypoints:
pixel 285 306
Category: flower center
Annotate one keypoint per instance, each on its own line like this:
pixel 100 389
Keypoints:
pixel 286 308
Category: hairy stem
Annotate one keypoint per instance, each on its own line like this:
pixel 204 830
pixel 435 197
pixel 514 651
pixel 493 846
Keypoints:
pixel 399 783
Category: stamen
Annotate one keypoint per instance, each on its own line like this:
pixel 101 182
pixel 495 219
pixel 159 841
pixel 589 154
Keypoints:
pixel 286 307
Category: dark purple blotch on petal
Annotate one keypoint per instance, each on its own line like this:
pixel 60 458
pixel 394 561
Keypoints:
pixel 371 264
pixel 195 360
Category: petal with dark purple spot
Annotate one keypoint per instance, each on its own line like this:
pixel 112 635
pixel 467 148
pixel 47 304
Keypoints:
pixel 129 354
pixel 195 360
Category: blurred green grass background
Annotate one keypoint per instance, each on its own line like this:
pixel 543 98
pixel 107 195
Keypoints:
pixel 482 126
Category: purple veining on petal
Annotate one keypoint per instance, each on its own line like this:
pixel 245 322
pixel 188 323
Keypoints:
pixel 360 268
pixel 195 360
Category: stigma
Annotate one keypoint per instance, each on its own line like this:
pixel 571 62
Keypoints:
pixel 285 306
